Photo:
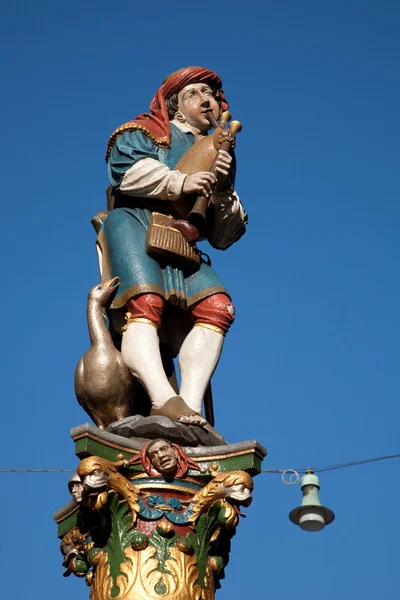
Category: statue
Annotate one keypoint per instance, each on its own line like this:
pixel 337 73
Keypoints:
pixel 157 492
pixel 151 197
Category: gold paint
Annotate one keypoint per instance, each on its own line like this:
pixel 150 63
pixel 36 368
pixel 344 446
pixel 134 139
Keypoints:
pixel 73 539
pixel 214 566
pixel 102 582
pixel 212 327
pixel 110 282
pixel 116 482
pixel 165 528
pixel 101 500
pixel 225 117
pixel 209 591
pixel 96 560
pixel 163 141
pixel 235 126
pixel 137 320
pixel 183 548
pixel 216 490
pixel 215 535
pixel 170 217
pixel 163 486
pixel 140 576
pixel 230 515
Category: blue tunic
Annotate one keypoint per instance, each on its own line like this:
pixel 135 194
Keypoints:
pixel 123 236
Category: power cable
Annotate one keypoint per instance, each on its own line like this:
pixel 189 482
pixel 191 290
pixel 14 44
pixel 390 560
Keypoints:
pixel 37 470
pixel 335 467
pixel 292 476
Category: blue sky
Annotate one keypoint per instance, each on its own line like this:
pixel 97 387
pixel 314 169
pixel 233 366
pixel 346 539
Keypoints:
pixel 310 368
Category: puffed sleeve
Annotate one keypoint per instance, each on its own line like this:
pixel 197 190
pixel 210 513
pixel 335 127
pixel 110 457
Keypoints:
pixel 129 148
pixel 229 219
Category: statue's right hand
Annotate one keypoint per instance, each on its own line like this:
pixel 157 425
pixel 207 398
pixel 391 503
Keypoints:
pixel 199 183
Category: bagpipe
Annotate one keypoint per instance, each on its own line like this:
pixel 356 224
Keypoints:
pixel 171 239
pixel 191 212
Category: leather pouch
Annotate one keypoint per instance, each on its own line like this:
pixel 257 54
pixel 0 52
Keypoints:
pixel 167 245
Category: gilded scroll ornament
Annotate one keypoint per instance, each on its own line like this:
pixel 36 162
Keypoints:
pixel 99 475
pixel 236 485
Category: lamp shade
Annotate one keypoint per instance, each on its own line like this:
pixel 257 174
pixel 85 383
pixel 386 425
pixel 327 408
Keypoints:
pixel 311 515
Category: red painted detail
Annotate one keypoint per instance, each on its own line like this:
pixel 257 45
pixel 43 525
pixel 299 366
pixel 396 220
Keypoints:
pixel 216 310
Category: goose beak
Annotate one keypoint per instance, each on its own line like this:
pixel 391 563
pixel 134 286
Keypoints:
pixel 112 283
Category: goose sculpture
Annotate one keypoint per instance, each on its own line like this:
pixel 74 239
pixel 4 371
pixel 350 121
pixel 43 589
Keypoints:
pixel 104 386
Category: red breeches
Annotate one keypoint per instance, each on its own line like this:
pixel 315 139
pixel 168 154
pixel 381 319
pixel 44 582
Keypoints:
pixel 149 307
pixel 216 311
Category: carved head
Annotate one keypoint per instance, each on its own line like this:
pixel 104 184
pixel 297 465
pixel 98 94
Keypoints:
pixel 95 472
pixel 163 456
pixel 237 486
pixel 103 293
pixel 75 487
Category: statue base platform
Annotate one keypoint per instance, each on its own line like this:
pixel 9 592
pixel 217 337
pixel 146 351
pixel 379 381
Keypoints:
pixel 162 427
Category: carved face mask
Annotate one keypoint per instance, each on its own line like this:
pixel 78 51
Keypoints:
pixel 163 456
pixel 76 491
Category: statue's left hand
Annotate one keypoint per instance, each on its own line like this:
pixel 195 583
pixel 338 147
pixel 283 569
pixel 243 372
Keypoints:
pixel 223 162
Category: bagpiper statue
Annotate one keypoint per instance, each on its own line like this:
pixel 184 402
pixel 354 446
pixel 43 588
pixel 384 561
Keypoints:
pixel 158 491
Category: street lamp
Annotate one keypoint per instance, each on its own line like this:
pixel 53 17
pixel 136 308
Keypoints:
pixel 311 515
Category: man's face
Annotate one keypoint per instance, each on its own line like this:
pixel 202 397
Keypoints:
pixel 163 457
pixel 194 101
pixel 76 490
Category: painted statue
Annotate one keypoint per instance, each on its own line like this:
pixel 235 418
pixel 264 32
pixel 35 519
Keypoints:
pixel 167 290
pixel 158 492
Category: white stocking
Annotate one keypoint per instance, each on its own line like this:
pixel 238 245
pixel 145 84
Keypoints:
pixel 198 358
pixel 140 351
